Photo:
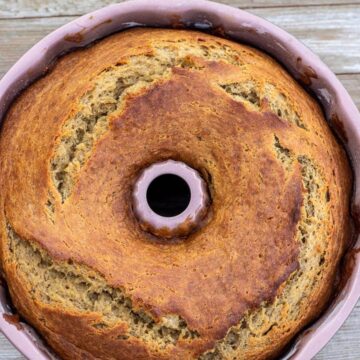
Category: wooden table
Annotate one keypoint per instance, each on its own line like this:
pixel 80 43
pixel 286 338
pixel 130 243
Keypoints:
pixel 331 28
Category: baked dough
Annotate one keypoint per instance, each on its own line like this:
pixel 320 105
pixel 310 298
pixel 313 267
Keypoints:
pixel 79 267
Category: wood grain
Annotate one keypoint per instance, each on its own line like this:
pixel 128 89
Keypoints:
pixel 329 27
pixel 7 350
pixel 345 345
pixel 42 8
pixel 332 32
pixel 352 85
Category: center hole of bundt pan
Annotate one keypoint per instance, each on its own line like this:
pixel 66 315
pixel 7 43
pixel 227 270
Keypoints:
pixel 168 195
pixel 170 199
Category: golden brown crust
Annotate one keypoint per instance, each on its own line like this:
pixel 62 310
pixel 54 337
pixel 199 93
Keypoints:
pixel 235 264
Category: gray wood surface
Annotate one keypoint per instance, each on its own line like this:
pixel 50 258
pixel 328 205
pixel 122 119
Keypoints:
pixel 36 8
pixel 331 28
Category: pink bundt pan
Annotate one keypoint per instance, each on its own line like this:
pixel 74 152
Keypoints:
pixel 239 25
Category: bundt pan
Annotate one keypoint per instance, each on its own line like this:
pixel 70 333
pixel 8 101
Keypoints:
pixel 235 24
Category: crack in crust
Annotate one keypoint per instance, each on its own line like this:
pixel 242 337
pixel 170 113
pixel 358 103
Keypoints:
pixel 299 285
pixel 108 95
pixel 254 96
pixel 78 288
pixel 112 87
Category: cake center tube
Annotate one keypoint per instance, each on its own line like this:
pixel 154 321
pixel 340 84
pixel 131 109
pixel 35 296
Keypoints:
pixel 168 195
pixel 170 199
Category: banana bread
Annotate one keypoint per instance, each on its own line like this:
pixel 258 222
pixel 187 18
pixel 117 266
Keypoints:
pixel 83 273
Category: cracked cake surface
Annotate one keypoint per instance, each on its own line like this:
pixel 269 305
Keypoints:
pixel 79 268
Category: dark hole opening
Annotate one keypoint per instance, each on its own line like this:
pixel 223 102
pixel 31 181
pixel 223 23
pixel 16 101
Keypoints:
pixel 168 195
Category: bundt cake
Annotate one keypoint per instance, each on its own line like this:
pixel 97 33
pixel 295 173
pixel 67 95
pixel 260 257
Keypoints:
pixel 259 265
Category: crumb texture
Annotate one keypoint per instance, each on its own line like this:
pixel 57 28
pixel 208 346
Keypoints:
pixel 80 289
pixel 113 85
pixel 257 324
pixel 79 267
pixel 109 91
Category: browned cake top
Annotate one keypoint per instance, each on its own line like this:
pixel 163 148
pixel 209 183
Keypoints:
pixel 79 267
